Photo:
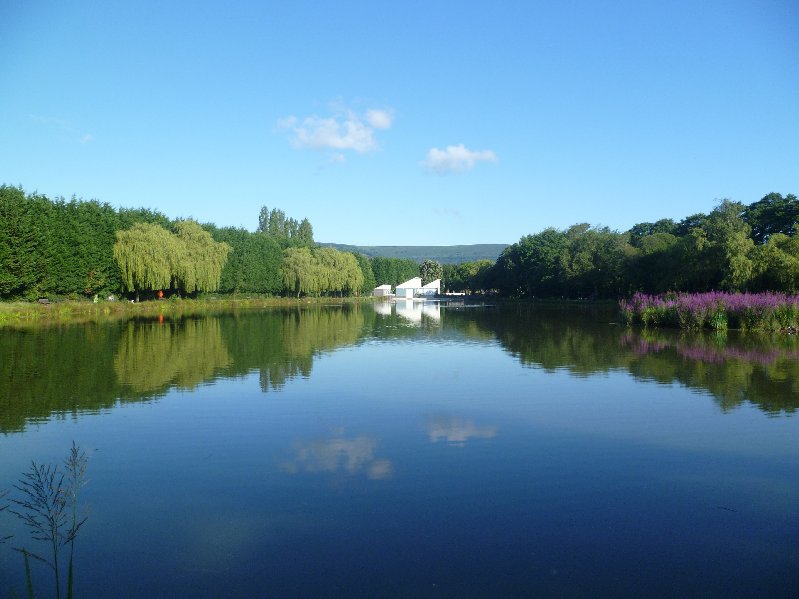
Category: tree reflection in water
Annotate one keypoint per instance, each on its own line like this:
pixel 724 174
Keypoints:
pixel 155 356
pixel 583 340
pixel 71 369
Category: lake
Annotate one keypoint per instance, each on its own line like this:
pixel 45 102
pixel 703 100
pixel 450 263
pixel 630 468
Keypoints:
pixel 411 450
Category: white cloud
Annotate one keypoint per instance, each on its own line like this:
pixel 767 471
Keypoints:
pixel 456 159
pixel 344 131
pixel 86 138
pixel 379 119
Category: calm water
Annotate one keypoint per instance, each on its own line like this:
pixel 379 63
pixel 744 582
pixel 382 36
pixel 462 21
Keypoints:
pixel 401 451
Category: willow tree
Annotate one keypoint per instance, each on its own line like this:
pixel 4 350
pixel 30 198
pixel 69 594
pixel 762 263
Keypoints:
pixel 146 256
pixel 339 272
pixel 299 271
pixel 330 269
pixel 200 259
pixel 353 275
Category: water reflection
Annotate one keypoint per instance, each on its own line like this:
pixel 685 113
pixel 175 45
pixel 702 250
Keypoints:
pixel 414 311
pixel 286 342
pixel 455 430
pixel 383 308
pixel 65 370
pixel 736 368
pixel 92 367
pixel 354 455
pixel 153 356
pixel 762 370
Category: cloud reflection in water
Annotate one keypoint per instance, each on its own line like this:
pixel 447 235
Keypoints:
pixel 455 430
pixel 352 456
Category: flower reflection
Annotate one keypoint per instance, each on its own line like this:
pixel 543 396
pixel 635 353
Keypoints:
pixel 455 430
pixel 349 455
pixel 713 350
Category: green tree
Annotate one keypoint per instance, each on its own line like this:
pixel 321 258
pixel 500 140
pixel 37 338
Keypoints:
pixel 642 230
pixel 776 263
pixel 21 241
pixel 393 271
pixel 287 231
pixel 253 265
pixel 330 270
pixel 146 256
pixel 321 271
pixel 353 275
pixel 772 214
pixel 695 221
pixel 730 244
pixel 305 233
pixel 277 224
pixel 542 259
pixel 291 227
pixel 468 276
pixel 298 271
pixel 80 249
pixel 199 259
pixel 430 270
pixel 369 281
pixel 263 220
pixel 654 267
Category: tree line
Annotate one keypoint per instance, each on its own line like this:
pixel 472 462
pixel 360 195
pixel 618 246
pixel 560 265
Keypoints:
pixel 736 247
pixel 75 248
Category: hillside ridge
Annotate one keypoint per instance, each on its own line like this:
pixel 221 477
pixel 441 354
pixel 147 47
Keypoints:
pixel 445 254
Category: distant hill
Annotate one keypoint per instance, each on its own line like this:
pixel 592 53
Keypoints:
pixel 445 254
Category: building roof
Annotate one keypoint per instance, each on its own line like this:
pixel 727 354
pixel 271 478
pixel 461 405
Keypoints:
pixel 433 284
pixel 384 287
pixel 415 282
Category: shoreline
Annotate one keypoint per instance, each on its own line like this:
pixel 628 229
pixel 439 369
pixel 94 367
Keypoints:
pixel 22 313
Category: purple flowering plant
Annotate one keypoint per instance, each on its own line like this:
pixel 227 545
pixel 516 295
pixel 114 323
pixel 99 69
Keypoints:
pixel 715 310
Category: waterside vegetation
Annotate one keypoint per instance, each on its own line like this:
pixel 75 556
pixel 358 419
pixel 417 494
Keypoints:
pixel 84 250
pixel 24 314
pixel 766 311
pixel 79 249
pixel 734 248
pixel 47 504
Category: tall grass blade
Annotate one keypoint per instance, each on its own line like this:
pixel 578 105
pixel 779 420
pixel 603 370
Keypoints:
pixel 69 578
pixel 28 580
pixel 48 506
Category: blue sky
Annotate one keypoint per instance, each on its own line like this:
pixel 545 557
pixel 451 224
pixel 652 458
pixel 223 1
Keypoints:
pixel 403 123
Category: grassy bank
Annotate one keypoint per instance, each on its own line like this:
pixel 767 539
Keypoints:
pixel 69 311
pixel 714 310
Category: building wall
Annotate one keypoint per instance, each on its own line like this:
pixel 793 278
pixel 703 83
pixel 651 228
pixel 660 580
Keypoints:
pixel 406 292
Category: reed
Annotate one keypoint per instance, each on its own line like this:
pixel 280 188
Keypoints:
pixel 3 507
pixel 48 507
